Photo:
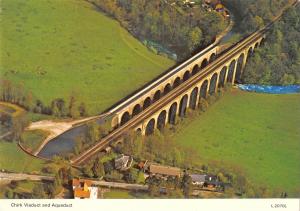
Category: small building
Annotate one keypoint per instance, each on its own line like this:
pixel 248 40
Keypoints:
pixel 212 181
pixel 107 150
pixel 123 162
pixel 84 189
pixel 198 179
pixel 142 165
pixel 165 171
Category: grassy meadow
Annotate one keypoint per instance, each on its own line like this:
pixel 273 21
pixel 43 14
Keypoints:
pixel 58 47
pixel 258 133
pixel 13 158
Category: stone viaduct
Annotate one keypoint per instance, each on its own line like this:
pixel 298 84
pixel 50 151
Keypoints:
pixel 229 72
pixel 162 86
pixel 168 98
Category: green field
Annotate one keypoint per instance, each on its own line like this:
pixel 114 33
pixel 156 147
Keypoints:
pixel 258 133
pixel 61 46
pixel 117 194
pixel 12 158
pixel 124 194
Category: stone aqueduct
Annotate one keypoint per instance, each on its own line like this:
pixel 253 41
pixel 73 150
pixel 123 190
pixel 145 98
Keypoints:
pixel 229 72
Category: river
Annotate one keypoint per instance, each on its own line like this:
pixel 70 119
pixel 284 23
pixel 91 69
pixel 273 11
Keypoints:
pixel 289 89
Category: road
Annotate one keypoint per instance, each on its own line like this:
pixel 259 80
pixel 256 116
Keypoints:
pixel 19 176
pixel 119 185
pixel 5 134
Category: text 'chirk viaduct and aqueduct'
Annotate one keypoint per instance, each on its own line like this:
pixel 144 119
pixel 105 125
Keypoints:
pixel 168 97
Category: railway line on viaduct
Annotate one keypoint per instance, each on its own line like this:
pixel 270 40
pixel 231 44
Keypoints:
pixel 169 97
pixel 145 114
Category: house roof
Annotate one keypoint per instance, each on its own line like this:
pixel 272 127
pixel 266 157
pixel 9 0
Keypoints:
pixel 198 177
pixel 141 164
pixel 75 182
pixel 164 170
pixel 211 178
pixel 121 161
pixel 81 193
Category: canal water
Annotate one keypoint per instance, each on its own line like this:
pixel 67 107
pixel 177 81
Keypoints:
pixel 64 143
pixel 270 89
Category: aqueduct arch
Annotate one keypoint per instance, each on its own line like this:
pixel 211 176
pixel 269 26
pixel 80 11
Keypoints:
pixel 183 105
pixel 136 110
pixel 204 63
pixel 231 71
pixel 186 76
pixel 125 118
pixel 147 103
pixel 195 70
pixel 161 120
pixel 193 98
pixel 157 96
pixel 222 77
pixel 150 127
pixel 203 89
pixel 213 84
pixel 167 89
pixel 172 113
pixel 239 68
pixel 177 82
pixel 212 57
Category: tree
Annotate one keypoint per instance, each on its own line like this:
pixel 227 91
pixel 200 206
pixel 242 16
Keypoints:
pixel 87 170
pixel 58 107
pixel 187 185
pixel 9 194
pixel 176 157
pixel 18 125
pixel 154 189
pixel 287 79
pixel 51 191
pixel 79 142
pixel 98 168
pixel 92 133
pixel 259 22
pixel 57 184
pixel 82 110
pixel 131 176
pixel 13 184
pixel 203 104
pixel 108 167
pixel 38 192
pixel 194 38
pixel 73 111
